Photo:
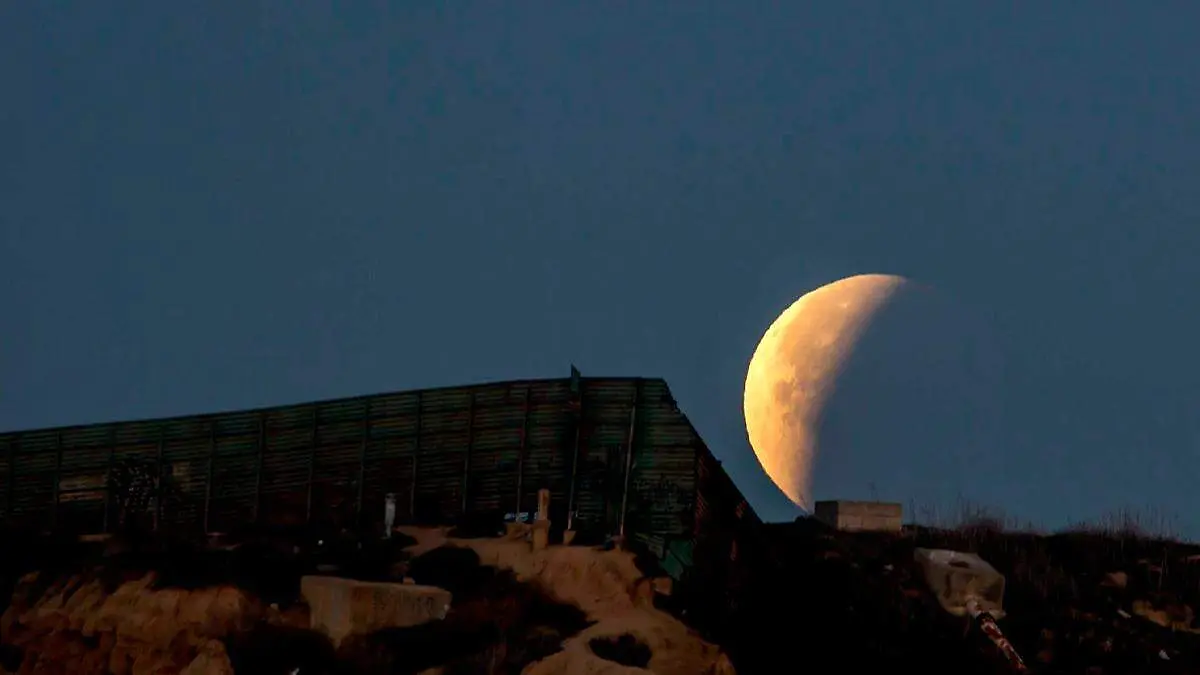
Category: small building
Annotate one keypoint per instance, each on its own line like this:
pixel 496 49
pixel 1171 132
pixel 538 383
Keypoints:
pixel 860 516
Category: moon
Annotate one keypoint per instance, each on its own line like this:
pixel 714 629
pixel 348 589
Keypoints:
pixel 876 381
pixel 794 369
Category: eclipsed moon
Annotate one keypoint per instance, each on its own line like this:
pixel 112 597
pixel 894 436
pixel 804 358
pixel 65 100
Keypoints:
pixel 876 381
pixel 795 369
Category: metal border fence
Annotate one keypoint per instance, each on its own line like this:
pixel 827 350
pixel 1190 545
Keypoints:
pixel 616 454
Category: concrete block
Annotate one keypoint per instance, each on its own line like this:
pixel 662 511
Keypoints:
pixel 340 607
pixel 956 577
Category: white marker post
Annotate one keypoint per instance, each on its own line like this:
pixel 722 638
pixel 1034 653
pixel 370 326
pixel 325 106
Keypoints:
pixel 389 515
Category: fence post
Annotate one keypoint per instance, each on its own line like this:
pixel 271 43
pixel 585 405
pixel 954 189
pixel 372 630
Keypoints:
pixel 629 441
pixel 412 489
pixel 112 456
pixel 362 464
pixel 208 482
pixel 577 414
pixel 312 461
pixel 258 469
pixel 521 452
pixel 58 452
pixel 158 483
pixel 13 442
pixel 466 482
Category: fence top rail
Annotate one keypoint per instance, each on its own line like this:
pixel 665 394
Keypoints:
pixel 197 417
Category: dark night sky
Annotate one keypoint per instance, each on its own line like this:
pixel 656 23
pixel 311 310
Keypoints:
pixel 241 204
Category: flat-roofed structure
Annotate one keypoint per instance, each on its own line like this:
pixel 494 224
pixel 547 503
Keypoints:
pixel 854 516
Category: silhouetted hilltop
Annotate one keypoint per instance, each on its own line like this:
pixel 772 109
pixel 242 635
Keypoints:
pixel 799 596
pixel 1092 602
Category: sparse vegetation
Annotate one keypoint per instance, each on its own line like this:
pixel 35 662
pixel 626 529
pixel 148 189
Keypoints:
pixel 497 624
pixel 625 649
pixel 1127 522
pixel 140 491
pixel 1113 596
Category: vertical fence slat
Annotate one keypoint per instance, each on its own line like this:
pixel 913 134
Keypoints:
pixel 312 461
pixel 412 488
pixel 58 457
pixel 108 476
pixel 362 463
pixel 158 481
pixel 208 482
pixel 12 475
pixel 629 441
pixel 577 415
pixel 466 480
pixel 522 451
pixel 261 449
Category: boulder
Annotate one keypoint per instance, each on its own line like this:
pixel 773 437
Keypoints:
pixel 956 577
pixel 341 607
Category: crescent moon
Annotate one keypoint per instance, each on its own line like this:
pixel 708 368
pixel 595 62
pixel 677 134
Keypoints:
pixel 795 369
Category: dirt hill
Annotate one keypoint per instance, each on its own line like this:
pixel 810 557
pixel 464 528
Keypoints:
pixel 158 606
pixel 801 597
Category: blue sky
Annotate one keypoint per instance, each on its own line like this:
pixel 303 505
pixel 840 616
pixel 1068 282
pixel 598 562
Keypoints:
pixel 242 204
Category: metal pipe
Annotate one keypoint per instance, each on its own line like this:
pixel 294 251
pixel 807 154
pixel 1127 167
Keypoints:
pixel 629 440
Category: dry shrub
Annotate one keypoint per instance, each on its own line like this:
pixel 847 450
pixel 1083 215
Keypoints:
pixel 625 649
pixel 278 650
pixel 1130 523
pixel 1062 610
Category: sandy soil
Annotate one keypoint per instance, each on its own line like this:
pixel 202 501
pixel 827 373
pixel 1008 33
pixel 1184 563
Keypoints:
pixel 609 588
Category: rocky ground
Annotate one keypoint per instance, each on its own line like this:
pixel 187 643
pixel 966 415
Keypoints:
pixel 806 597
pixel 1092 603
pixel 159 606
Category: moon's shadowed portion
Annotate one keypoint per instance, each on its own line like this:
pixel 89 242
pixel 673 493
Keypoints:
pixel 793 372
pixel 916 402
